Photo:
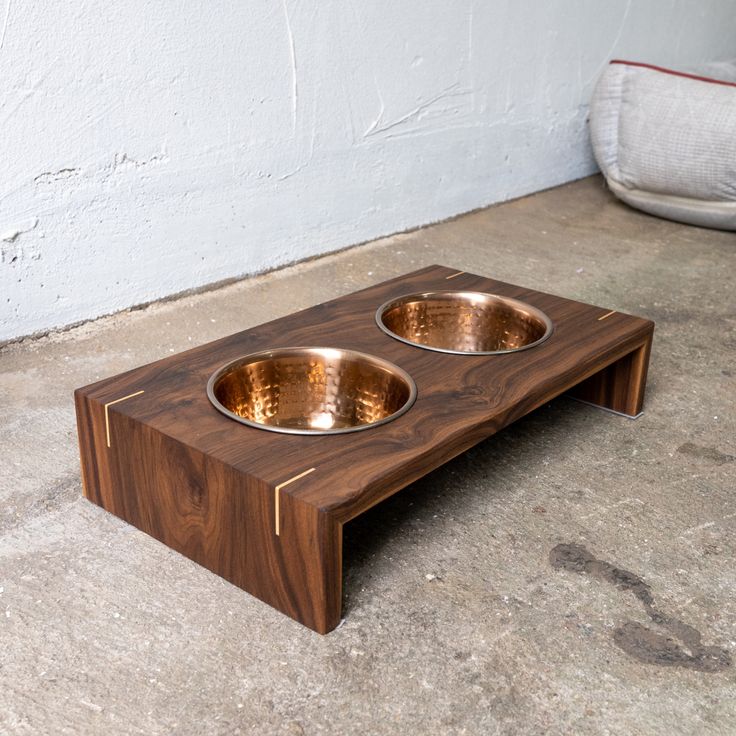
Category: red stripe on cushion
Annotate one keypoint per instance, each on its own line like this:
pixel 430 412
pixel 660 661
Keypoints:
pixel 673 72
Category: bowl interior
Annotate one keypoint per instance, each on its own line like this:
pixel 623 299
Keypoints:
pixel 312 390
pixel 464 322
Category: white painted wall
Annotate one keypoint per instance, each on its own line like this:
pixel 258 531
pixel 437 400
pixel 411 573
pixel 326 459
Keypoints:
pixel 152 147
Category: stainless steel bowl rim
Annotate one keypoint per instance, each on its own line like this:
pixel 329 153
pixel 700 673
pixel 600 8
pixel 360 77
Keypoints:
pixel 296 350
pixel 425 295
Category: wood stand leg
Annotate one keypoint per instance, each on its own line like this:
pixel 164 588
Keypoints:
pixel 618 387
pixel 311 555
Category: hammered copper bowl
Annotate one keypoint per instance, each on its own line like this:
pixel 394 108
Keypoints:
pixel 298 390
pixel 464 322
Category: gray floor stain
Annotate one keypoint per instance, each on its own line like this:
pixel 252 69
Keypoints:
pixel 705 453
pixel 684 648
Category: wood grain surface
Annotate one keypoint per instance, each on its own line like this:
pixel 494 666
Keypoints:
pixel 205 485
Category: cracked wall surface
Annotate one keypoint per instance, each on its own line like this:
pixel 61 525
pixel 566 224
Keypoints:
pixel 149 149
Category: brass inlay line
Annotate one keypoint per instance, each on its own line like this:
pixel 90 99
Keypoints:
pixel 607 315
pixel 452 275
pixel 110 403
pixel 277 497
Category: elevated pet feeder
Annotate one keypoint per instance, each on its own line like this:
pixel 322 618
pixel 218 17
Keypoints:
pixel 248 454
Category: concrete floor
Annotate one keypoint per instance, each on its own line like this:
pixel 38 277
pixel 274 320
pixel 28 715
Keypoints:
pixel 489 598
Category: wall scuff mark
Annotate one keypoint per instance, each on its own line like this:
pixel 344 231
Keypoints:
pixel 416 113
pixel 5 23
pixel 123 162
pixel 12 235
pixel 50 177
pixel 294 81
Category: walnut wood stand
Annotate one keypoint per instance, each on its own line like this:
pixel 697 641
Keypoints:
pixel 266 510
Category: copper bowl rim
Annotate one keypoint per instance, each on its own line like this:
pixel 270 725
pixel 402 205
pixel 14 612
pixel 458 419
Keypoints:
pixel 274 353
pixel 448 294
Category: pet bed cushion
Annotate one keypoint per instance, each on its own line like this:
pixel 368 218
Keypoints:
pixel 666 140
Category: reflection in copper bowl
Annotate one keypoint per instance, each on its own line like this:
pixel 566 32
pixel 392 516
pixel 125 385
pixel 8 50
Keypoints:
pixel 307 390
pixel 464 322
